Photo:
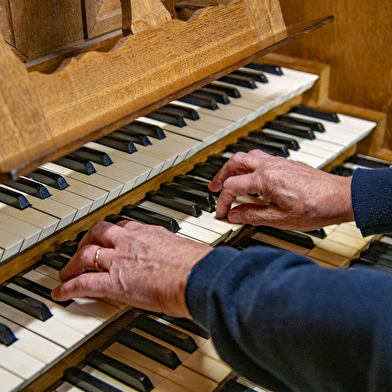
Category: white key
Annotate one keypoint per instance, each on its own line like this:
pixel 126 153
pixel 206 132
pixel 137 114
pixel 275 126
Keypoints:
pixel 96 195
pixel 66 387
pixel 33 344
pixel 107 184
pixel 187 229
pixel 196 361
pixel 19 363
pixel 109 380
pixel 90 306
pixel 9 382
pixel 10 244
pixel 206 220
pixel 70 316
pixel 225 126
pixel 46 222
pixel 30 233
pixel 158 374
pixel 173 145
pixel 49 206
pixel 50 329
pixel 121 162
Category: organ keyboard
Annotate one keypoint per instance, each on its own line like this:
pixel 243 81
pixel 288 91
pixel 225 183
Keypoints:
pixel 121 176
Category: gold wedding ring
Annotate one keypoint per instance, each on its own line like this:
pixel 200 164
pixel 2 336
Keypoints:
pixel 96 261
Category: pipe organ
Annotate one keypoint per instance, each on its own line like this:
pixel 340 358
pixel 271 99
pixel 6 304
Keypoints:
pixel 126 110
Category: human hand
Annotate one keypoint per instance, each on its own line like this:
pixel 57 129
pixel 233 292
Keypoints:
pixel 144 266
pixel 297 195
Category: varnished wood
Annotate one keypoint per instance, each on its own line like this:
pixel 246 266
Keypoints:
pixel 101 92
pixel 77 356
pixel 41 26
pixel 138 16
pixel 357 46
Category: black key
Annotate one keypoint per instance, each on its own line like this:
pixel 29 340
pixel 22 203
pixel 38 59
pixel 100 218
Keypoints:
pixel 358 262
pixel 291 129
pixel 48 178
pixel 119 371
pixel 168 118
pixel 314 125
pixel 369 257
pixel 291 144
pixel 24 303
pixel 200 100
pixel 150 217
pixel 370 162
pixel 246 242
pixel 148 348
pixel 381 247
pixel 219 96
pixel 117 143
pixel 54 260
pixel 94 156
pixel 146 129
pixel 68 247
pixel 167 334
pixel 114 218
pixel 187 324
pixel 30 187
pixel 38 289
pixel 194 183
pixel 180 111
pixel 268 68
pixel 13 198
pixel 7 337
pixel 233 386
pixel 342 171
pixel 176 203
pixel 205 170
pixel 86 382
pixel 230 91
pixel 251 143
pixel 316 113
pixel 320 233
pixel 257 77
pixel 287 235
pixel 217 160
pixel 80 236
pixel 132 136
pixel 205 200
pixel 76 163
pixel 238 80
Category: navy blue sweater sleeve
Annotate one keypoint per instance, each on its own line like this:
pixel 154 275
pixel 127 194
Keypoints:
pixel 371 194
pixel 287 324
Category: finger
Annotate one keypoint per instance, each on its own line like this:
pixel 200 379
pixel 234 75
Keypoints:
pixel 239 163
pixel 84 260
pixel 101 233
pixel 233 187
pixel 261 215
pixel 86 285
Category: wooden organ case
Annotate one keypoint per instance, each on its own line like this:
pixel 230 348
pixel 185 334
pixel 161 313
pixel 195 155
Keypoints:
pixel 84 79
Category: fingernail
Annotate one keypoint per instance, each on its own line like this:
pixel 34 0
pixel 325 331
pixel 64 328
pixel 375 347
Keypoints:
pixel 235 217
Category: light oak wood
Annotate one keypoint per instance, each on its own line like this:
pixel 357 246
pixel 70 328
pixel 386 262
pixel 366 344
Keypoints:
pixel 139 16
pixel 357 46
pixel 100 92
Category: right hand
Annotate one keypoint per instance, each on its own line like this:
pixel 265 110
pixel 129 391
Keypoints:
pixel 298 196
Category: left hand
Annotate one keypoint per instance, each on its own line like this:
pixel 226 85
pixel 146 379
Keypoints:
pixel 144 266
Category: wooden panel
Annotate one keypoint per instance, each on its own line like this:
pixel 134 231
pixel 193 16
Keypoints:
pixel 101 17
pixel 6 28
pixel 101 91
pixel 42 27
pixel 357 46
